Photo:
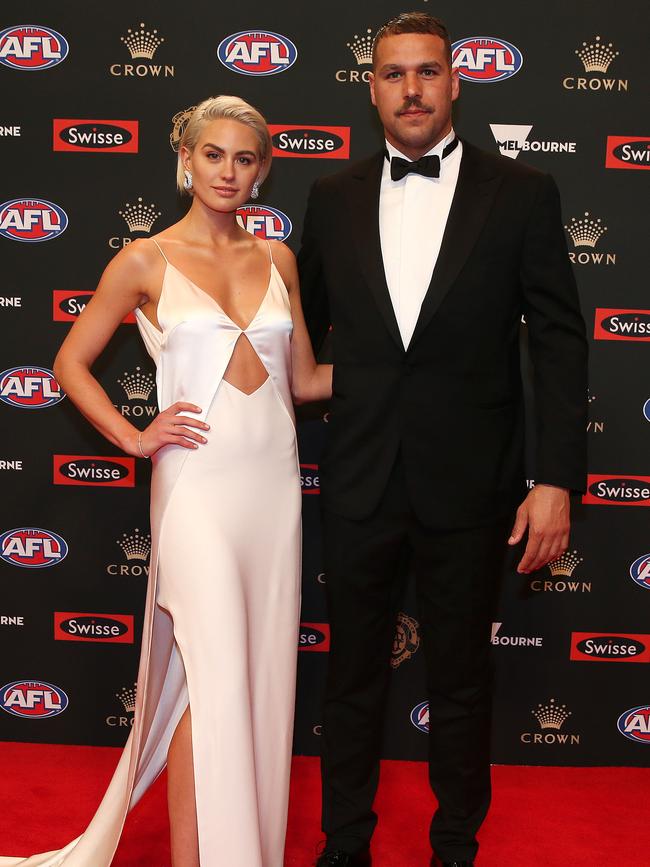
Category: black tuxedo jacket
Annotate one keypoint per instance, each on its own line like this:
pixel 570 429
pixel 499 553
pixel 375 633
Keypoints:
pixel 452 402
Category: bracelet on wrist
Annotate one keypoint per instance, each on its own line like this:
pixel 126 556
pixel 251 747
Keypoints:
pixel 140 445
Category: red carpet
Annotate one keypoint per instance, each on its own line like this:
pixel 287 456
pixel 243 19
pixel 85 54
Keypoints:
pixel 551 817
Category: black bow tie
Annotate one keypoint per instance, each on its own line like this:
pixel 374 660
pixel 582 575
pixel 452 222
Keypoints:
pixel 427 166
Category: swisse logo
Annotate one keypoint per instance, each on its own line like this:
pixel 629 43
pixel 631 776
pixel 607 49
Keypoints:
pixel 105 472
pixel 30 47
pixel 640 571
pixel 34 699
pixel 109 136
pixel 309 479
pixel 314 637
pixel 617 490
pixel 635 724
pixel 484 59
pixel 32 220
pixel 77 626
pixel 32 547
pixel 609 646
pixel 311 142
pixel 621 324
pixel 30 387
pixel 257 52
pixel 627 152
pixel 264 222
pixel 68 305
pixel 420 717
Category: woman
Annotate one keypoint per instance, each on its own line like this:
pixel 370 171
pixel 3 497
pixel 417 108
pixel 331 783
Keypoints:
pixel 219 311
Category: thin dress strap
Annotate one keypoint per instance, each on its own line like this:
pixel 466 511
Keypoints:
pixel 160 248
pixel 268 243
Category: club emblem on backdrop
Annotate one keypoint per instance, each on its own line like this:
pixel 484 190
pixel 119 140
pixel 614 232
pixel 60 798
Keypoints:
pixel 179 122
pixel 406 640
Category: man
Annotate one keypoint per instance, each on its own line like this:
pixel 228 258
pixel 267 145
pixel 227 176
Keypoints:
pixel 423 258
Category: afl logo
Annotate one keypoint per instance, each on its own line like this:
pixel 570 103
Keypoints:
pixel 309 479
pixel 32 220
pixel 256 52
pixel 29 387
pixel 640 571
pixel 32 547
pixel 264 222
pixel 635 724
pixel 34 699
pixel 420 716
pixel 485 60
pixel 31 48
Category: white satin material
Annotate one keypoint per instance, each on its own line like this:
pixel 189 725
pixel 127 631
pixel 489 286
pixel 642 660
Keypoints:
pixel 223 601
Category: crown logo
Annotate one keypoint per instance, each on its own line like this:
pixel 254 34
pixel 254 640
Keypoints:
pixel 142 43
pixel 565 564
pixel 179 121
pixel 127 696
pixel 585 232
pixel 135 546
pixel 139 217
pixel 551 715
pixel 361 47
pixel 138 385
pixel 597 56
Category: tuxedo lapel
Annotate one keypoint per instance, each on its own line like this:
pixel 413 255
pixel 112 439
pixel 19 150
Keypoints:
pixel 364 206
pixel 475 190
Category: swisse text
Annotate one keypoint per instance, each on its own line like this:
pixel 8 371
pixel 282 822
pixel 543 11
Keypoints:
pixel 87 627
pixel 93 135
pixel 74 470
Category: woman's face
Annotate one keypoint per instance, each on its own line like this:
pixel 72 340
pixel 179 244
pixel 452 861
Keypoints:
pixel 225 164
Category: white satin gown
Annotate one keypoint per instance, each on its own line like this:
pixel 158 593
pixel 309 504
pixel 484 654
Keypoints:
pixel 222 610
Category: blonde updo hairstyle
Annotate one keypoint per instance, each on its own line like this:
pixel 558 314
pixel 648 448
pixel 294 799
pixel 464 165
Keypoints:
pixel 230 108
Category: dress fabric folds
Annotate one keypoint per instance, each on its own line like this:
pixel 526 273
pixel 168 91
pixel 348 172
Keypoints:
pixel 223 602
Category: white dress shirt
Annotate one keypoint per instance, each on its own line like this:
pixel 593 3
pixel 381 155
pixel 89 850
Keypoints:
pixel 413 214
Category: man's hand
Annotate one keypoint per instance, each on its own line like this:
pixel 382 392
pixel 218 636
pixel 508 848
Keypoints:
pixel 546 513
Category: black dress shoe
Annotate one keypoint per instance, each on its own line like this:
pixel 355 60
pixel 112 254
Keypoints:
pixel 339 858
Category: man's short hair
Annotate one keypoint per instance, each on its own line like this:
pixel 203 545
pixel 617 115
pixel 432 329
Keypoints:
pixel 412 22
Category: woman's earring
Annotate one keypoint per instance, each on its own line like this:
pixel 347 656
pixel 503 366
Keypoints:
pixel 187 183
pixel 255 191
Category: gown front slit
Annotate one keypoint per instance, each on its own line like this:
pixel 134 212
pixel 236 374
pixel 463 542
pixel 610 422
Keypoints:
pixel 222 612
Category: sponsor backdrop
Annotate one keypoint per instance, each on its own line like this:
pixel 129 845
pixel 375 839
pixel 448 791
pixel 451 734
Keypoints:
pixel 90 118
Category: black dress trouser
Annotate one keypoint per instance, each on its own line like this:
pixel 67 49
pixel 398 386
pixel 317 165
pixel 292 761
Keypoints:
pixel 457 577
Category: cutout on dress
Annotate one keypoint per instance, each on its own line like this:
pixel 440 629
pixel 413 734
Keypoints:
pixel 246 371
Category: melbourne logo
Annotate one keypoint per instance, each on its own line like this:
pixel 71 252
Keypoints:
pixel 107 472
pixel 499 640
pixel 33 699
pixel 30 387
pixel 485 60
pixel 77 626
pixel 127 697
pixel 142 44
pixel 257 52
pixel 628 152
pixel 562 579
pixel 139 217
pixel 406 640
pixel 313 142
pixel 585 233
pixel 617 490
pixel 420 717
pixel 361 48
pixel 32 547
pixel 264 222
pixel 596 57
pixel 314 637
pixel 136 548
pixel 635 724
pixel 32 48
pixel 609 647
pixel 512 139
pixel 640 571
pixel 67 305
pixel 95 136
pixel 621 324
pixel 309 479
pixel 179 122
pixel 551 718
pixel 32 220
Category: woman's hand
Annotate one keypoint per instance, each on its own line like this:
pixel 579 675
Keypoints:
pixel 169 427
